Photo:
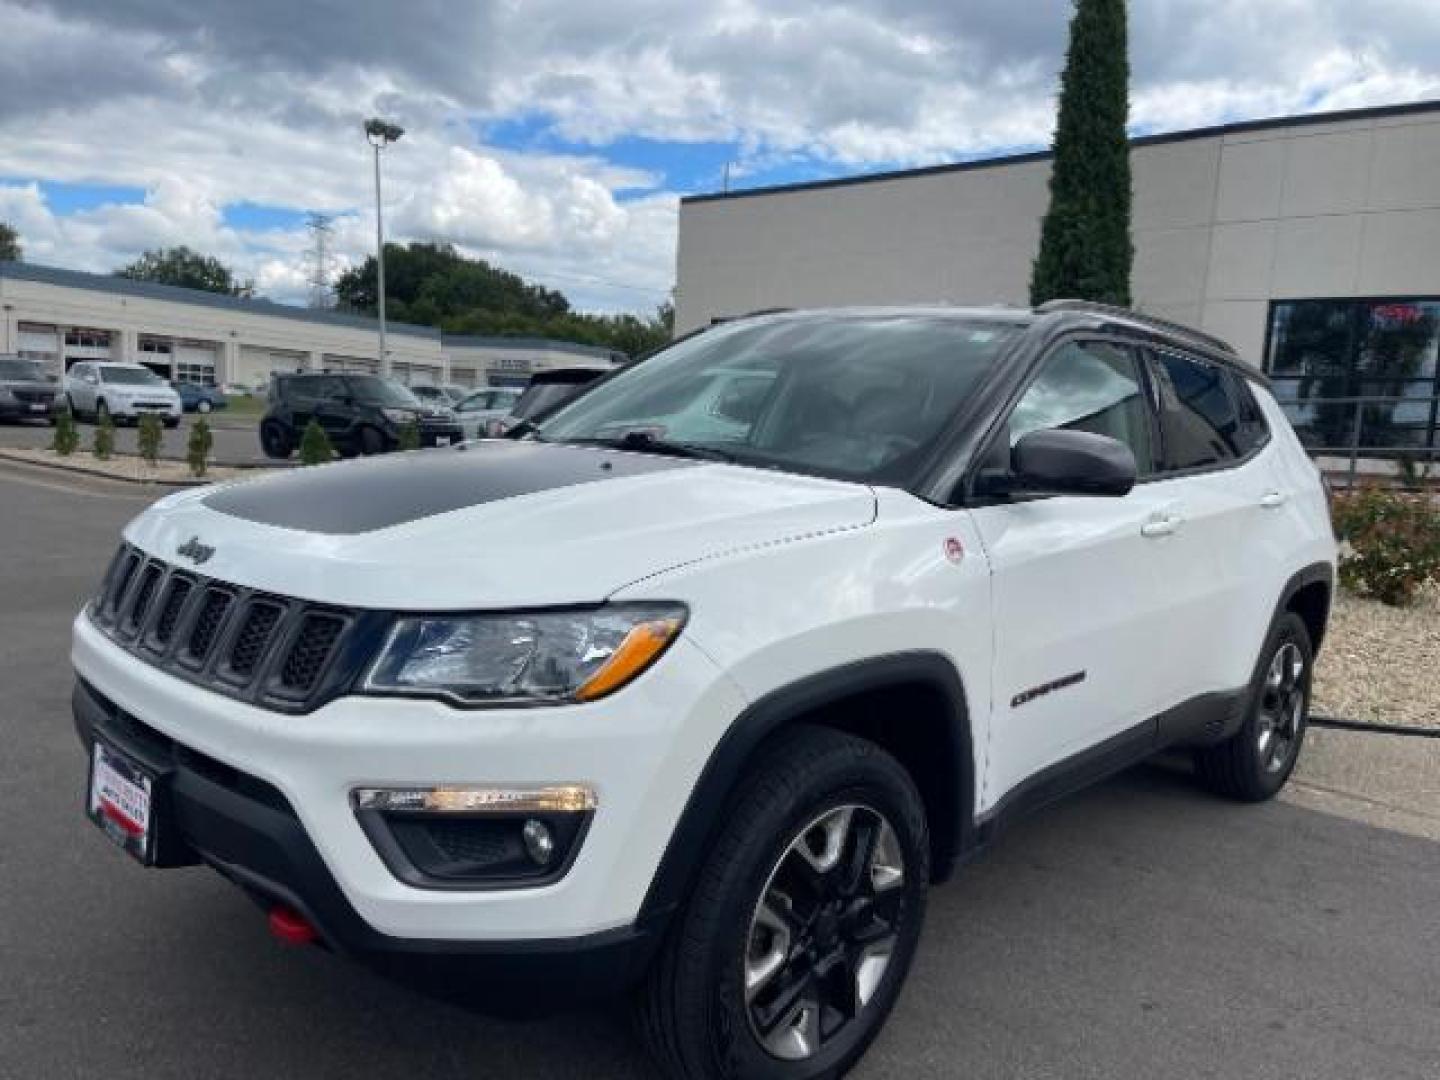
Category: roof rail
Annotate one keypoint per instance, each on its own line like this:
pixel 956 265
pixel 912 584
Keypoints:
pixel 1210 341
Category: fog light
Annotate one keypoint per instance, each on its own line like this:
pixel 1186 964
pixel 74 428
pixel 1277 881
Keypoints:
pixel 539 843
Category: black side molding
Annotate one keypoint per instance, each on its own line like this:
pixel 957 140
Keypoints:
pixel 705 811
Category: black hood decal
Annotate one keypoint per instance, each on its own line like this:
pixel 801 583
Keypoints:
pixel 363 496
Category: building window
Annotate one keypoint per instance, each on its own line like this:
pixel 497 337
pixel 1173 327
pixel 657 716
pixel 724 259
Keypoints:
pixel 88 339
pixel 1324 353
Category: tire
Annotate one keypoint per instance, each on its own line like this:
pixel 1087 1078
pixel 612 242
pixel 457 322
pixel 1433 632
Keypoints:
pixel 172 421
pixel 202 406
pixel 276 441
pixel 370 441
pixel 1254 763
pixel 752 917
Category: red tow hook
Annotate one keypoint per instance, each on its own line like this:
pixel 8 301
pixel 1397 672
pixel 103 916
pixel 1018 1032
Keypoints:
pixel 291 927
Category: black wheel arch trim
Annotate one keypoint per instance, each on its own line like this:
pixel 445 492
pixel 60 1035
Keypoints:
pixel 1320 573
pixel 704 812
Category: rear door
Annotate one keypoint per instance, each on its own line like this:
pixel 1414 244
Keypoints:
pixel 335 406
pixel 1080 609
pixel 1213 465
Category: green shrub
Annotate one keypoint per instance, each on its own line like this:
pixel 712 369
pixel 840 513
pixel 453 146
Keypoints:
pixel 315 448
pixel 104 446
pixel 1391 543
pixel 410 435
pixel 67 437
pixel 150 437
pixel 197 450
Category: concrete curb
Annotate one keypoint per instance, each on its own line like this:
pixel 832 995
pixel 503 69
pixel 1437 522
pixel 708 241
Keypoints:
pixel 102 472
pixel 1384 778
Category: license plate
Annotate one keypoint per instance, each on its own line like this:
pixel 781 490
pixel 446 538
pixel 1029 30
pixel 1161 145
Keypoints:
pixel 120 801
pixel 38 407
pixel 442 440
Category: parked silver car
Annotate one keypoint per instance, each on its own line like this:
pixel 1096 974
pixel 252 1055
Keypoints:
pixel 121 391
pixel 477 410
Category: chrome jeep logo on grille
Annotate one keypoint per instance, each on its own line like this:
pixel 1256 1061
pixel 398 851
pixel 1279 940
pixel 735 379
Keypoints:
pixel 194 550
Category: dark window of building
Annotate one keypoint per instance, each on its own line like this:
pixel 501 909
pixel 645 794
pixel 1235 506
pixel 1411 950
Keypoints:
pixel 1199 421
pixel 1325 353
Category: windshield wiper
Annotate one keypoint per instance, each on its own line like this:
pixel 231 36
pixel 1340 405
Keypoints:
pixel 645 442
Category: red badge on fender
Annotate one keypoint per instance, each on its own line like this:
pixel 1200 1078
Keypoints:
pixel 954 550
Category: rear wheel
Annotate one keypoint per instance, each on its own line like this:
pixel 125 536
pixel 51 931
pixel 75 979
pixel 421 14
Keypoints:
pixel 275 440
pixel 794 946
pixel 202 406
pixel 1254 763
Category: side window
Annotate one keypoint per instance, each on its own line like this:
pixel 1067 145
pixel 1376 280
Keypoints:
pixel 1253 432
pixel 1199 422
pixel 1090 386
pixel 331 389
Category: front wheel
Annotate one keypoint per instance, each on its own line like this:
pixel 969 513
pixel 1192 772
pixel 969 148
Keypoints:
pixel 202 406
pixel 1254 763
pixel 370 441
pixel 793 947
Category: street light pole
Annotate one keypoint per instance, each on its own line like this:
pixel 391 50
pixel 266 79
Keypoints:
pixel 381 134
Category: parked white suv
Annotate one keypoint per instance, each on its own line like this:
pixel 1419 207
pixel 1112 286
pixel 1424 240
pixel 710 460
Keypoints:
pixel 120 391
pixel 613 704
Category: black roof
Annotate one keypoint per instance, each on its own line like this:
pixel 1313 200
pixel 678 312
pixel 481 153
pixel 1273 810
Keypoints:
pixel 1044 155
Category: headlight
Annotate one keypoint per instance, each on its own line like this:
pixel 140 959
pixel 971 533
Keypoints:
pixel 399 416
pixel 552 656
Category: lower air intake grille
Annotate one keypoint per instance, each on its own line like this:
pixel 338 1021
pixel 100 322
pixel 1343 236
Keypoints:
pixel 273 651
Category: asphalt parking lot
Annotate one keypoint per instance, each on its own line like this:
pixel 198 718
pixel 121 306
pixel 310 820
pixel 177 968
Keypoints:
pixel 1143 930
pixel 236 441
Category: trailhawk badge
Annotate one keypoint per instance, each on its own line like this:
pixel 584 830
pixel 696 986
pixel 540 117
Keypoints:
pixel 195 551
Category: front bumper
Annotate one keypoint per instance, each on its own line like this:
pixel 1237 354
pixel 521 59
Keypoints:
pixel 246 830
pixel 626 747
pixel 133 410
pixel 14 409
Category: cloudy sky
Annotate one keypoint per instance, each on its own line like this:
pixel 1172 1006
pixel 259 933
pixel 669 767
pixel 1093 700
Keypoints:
pixel 555 136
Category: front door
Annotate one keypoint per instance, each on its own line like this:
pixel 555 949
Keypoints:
pixel 1078 604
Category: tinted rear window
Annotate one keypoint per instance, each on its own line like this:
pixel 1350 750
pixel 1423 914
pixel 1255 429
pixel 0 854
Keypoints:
pixel 1198 417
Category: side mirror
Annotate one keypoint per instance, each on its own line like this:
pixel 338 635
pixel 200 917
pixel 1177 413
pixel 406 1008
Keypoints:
pixel 1062 462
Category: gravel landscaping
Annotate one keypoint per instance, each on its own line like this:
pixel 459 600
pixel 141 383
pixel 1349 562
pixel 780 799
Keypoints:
pixel 1381 664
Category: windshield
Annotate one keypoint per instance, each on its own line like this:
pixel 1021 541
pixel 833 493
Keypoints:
pixel 858 397
pixel 21 370
pixel 130 376
pixel 541 397
pixel 380 391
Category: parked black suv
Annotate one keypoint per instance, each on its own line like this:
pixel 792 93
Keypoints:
pixel 362 414
pixel 25 391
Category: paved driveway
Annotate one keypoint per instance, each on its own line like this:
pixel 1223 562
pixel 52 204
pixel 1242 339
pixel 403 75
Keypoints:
pixel 1141 931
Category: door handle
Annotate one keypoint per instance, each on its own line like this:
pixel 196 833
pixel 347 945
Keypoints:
pixel 1273 500
pixel 1160 527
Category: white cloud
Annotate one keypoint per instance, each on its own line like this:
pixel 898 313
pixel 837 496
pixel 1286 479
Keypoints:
pixel 206 104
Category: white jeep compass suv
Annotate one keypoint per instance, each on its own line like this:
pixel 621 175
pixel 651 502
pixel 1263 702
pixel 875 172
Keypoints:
pixel 694 687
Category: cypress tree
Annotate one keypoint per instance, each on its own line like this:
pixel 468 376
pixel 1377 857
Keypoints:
pixel 1085 248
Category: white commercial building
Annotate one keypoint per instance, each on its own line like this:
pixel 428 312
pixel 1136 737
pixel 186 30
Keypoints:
pixel 1310 243
pixel 61 316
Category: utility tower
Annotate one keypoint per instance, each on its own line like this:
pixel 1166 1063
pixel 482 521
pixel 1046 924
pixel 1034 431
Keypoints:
pixel 319 260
